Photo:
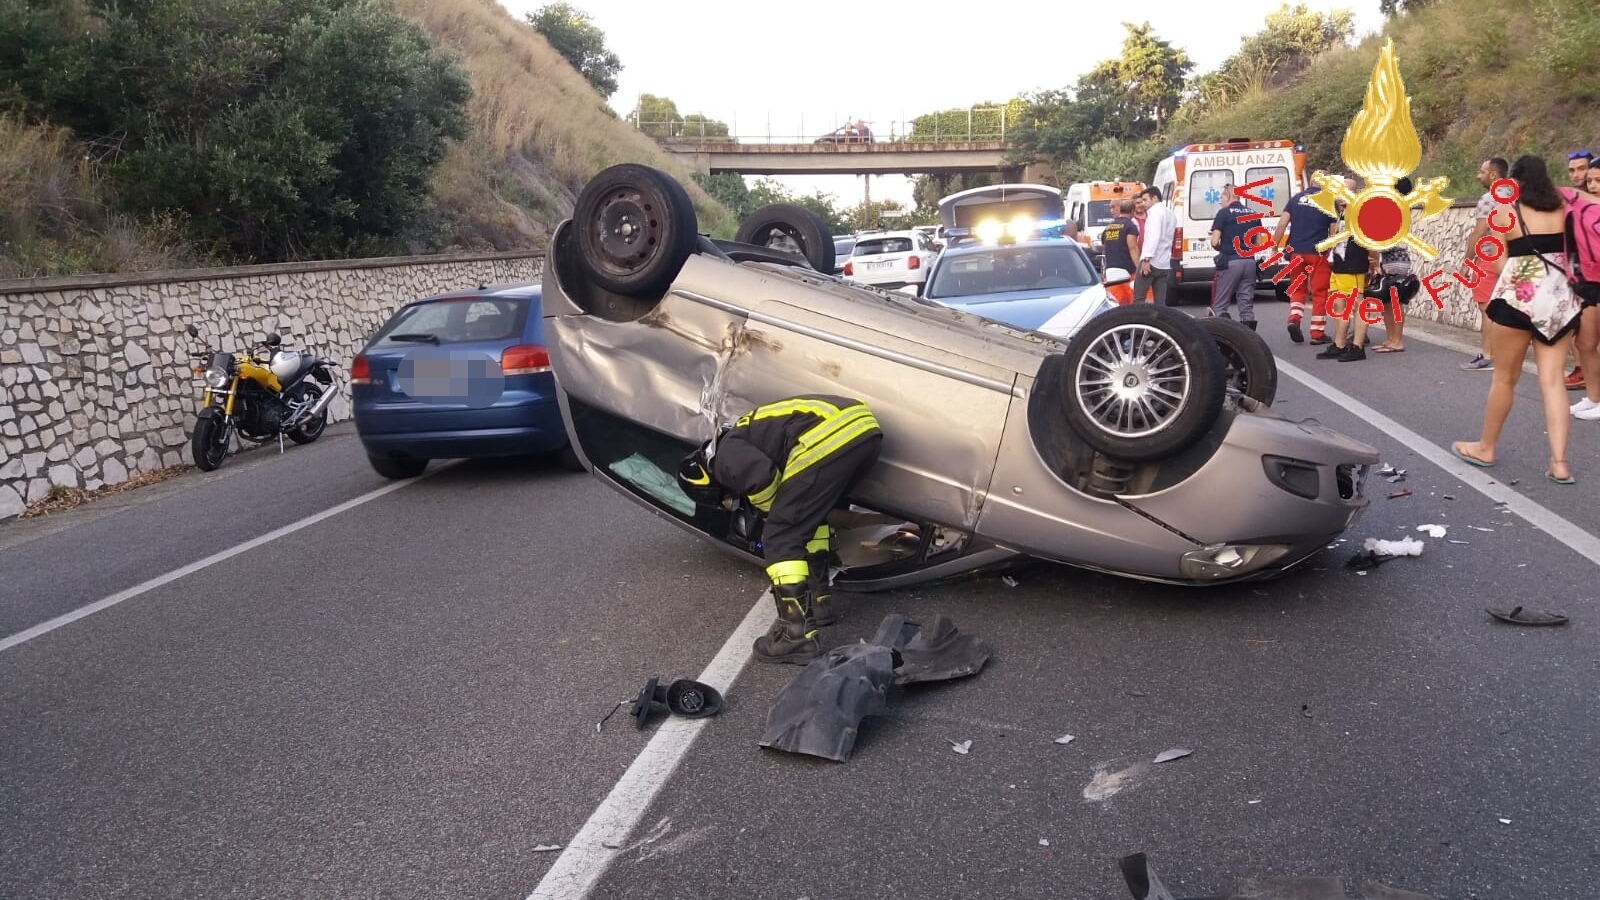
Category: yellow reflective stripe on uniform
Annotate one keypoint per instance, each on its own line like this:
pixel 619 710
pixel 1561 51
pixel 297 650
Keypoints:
pixel 762 499
pixel 821 539
pixel 789 571
pixel 819 442
pixel 818 408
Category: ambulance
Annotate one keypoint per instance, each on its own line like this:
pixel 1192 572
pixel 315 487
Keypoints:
pixel 1192 180
pixel 1089 203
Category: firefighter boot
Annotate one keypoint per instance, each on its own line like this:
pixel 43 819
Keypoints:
pixel 820 562
pixel 792 639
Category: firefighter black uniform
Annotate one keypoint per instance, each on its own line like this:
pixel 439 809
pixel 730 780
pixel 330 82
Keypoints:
pixel 795 460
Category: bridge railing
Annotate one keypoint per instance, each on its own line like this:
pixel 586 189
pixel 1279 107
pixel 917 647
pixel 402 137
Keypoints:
pixel 976 124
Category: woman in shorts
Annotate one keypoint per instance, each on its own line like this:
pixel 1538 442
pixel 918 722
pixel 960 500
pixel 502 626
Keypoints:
pixel 1534 304
pixel 1588 346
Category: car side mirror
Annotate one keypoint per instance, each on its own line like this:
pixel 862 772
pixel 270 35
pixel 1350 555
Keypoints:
pixel 193 331
pixel 272 340
pixel 1117 275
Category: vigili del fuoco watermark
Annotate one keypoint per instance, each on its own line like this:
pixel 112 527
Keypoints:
pixel 1382 146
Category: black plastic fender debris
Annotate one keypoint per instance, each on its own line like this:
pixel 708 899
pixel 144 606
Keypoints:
pixel 1144 885
pixel 819 713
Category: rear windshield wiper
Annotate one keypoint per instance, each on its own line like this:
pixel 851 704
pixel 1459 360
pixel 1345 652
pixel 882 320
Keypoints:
pixel 419 338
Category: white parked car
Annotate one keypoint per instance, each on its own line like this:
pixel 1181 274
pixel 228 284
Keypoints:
pixel 891 259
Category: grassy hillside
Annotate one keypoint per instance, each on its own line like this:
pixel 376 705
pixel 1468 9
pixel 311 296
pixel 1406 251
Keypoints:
pixel 540 131
pixel 1485 77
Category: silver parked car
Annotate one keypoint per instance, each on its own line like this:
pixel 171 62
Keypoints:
pixel 1121 449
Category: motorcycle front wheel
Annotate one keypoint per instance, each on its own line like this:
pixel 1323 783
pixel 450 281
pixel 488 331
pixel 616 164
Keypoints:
pixel 209 446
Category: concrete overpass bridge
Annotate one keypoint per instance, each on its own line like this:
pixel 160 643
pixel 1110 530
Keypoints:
pixel 710 157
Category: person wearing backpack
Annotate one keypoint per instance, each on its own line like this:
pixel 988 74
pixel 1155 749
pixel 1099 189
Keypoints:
pixel 1535 303
pixel 1584 227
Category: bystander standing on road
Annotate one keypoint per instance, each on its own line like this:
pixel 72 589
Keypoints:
pixel 1579 164
pixel 1236 274
pixel 1489 171
pixel 1155 249
pixel 1588 341
pixel 1300 228
pixel 1395 285
pixel 1348 266
pixel 1120 242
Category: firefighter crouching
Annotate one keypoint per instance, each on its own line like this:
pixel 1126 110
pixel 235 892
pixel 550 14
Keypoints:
pixel 794 460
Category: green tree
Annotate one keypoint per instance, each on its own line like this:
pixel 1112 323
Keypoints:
pixel 1145 81
pixel 1272 57
pixel 1396 7
pixel 279 129
pixel 697 127
pixel 657 117
pixel 575 36
pixel 987 121
pixel 731 190
pixel 928 190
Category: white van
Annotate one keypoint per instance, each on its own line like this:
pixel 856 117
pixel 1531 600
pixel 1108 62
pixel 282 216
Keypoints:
pixel 1191 181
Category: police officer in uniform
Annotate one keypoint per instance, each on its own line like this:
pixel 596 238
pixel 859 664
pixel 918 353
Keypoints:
pixel 794 460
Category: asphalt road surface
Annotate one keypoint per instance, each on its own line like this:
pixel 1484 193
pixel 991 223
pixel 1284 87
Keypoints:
pixel 397 697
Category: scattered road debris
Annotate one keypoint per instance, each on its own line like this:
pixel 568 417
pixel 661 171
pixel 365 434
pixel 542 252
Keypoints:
pixel 1453 541
pixel 1252 802
pixel 1514 481
pixel 1449 496
pixel 1521 616
pixel 1377 552
pixel 1065 739
pixel 1170 755
pixel 1396 495
pixel 1437 531
pixel 1044 842
pixel 1305 710
pixel 1009 581
pixel 1389 471
pixel 1505 821
pixel 1480 528
pixel 963 748
pixel 546 848
pixel 1105 785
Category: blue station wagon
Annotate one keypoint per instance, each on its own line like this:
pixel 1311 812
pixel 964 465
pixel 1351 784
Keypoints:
pixel 459 375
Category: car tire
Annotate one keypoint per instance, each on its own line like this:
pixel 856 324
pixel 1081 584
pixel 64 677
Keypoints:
pixel 635 228
pixel 397 467
pixel 1247 361
pixel 801 225
pixel 1119 366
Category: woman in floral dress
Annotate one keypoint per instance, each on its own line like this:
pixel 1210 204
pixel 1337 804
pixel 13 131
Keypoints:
pixel 1534 301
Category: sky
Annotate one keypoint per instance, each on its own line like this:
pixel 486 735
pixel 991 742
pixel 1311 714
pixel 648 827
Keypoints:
pixel 797 71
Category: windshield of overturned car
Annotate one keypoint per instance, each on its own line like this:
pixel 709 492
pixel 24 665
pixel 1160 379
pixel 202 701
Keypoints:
pixel 999 270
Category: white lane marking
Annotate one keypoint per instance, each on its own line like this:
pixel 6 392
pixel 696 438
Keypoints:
pixel 145 587
pixel 599 842
pixel 1574 536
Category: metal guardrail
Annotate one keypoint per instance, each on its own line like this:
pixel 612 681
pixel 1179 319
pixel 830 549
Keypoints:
pixel 979 123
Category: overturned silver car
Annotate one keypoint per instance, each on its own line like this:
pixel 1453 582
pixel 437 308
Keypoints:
pixel 1143 445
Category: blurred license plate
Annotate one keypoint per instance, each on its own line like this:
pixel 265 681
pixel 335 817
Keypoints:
pixel 878 266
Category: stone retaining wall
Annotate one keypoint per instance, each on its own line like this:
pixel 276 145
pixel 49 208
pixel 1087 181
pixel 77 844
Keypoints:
pixel 96 373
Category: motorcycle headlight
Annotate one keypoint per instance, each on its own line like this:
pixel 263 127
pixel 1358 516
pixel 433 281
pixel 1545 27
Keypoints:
pixel 215 377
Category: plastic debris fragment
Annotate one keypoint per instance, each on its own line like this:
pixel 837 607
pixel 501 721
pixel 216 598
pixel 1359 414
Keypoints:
pixel 1170 755
pixel 1065 739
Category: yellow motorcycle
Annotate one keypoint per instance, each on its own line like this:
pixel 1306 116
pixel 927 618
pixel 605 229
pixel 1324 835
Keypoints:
pixel 258 396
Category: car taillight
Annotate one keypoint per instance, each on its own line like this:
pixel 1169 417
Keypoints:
pixel 360 371
pixel 914 262
pixel 848 269
pixel 524 359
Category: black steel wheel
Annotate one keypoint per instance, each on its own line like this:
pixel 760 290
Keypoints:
pixel 785 226
pixel 636 228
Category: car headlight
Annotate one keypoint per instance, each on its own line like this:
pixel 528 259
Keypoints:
pixel 1229 560
pixel 215 377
